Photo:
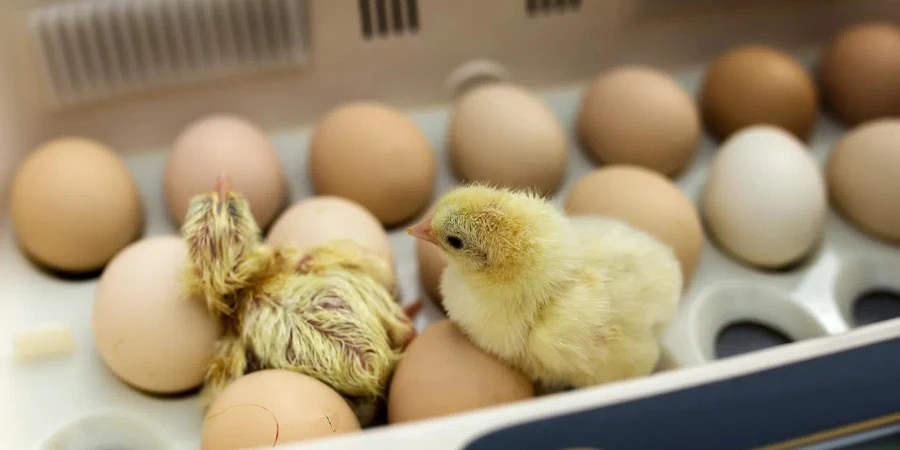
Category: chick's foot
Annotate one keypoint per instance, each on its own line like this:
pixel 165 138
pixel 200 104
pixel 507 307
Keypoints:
pixel 413 309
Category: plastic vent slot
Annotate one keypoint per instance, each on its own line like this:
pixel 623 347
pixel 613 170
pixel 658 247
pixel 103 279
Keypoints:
pixel 91 50
pixel 536 7
pixel 382 18
pixel 669 5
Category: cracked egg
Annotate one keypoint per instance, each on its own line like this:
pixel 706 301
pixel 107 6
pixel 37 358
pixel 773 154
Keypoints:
pixel 274 407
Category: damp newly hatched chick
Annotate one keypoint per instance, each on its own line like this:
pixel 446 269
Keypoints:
pixel 570 302
pixel 328 312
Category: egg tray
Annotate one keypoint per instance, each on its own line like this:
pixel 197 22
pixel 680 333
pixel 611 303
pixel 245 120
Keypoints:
pixel 75 402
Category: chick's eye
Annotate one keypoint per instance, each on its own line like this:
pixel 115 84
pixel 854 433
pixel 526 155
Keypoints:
pixel 454 242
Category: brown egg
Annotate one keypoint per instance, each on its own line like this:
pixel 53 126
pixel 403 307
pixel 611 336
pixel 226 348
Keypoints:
pixel 274 407
pixel 232 145
pixel 442 373
pixel 858 72
pixel 146 330
pixel 639 116
pixel 317 220
pixel 646 200
pixel 863 175
pixel 431 262
pixel 74 205
pixel 375 156
pixel 504 135
pixel 758 86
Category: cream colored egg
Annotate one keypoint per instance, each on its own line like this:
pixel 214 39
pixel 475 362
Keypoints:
pixel 864 178
pixel 504 135
pixel 639 116
pixel 74 205
pixel 225 144
pixel 275 407
pixel 147 331
pixel 317 220
pixel 374 155
pixel 765 200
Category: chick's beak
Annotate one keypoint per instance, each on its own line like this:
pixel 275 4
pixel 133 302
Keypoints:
pixel 422 230
pixel 223 185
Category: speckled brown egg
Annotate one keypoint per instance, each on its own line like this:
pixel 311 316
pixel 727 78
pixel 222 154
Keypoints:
pixel 147 331
pixel 504 135
pixel 758 86
pixel 443 373
pixel 374 155
pixel 639 116
pixel 863 175
pixel 225 144
pixel 74 205
pixel 858 72
pixel 275 407
pixel 646 200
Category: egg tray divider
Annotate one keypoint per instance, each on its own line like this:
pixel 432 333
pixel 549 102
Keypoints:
pixel 811 300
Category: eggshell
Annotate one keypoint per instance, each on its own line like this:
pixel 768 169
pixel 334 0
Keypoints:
pixel 317 220
pixel 863 177
pixel 765 199
pixel 147 331
pixel 431 262
pixel 229 144
pixel 858 72
pixel 273 407
pixel 74 205
pixel 639 116
pixel 504 135
pixel 758 86
pixel 374 155
pixel 647 200
pixel 442 373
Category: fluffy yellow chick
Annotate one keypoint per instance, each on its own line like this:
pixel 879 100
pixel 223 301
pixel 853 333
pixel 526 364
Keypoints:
pixel 328 312
pixel 570 302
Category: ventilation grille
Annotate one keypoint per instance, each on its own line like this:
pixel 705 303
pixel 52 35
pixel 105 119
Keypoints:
pixel 384 18
pixel 546 7
pixel 682 5
pixel 91 50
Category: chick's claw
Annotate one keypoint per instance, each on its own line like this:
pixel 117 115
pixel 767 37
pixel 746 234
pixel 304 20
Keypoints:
pixel 413 309
pixel 410 337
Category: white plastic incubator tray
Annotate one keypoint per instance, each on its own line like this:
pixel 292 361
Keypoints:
pixel 74 403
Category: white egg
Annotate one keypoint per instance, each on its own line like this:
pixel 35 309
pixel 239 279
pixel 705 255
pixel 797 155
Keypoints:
pixel 765 200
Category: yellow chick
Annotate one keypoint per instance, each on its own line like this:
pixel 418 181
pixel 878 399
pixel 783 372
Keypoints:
pixel 570 302
pixel 328 312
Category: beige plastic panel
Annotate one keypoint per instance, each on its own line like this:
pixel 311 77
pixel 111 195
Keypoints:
pixel 410 70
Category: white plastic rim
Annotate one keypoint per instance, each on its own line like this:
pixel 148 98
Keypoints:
pixel 474 73
pixel 727 303
pixel 111 429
